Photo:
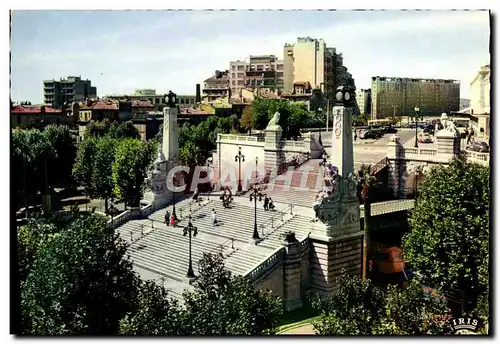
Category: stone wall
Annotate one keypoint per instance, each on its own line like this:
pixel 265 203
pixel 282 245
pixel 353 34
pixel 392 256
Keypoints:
pixel 272 280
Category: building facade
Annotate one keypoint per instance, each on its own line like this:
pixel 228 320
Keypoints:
pixel 480 91
pixel 158 100
pixel 216 87
pixel 73 88
pixel 262 72
pixel 37 116
pixel 391 96
pixel 364 101
pixel 310 60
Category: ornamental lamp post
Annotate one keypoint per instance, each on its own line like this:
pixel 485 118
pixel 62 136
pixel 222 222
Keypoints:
pixel 173 194
pixel 253 197
pixel 171 99
pixel 192 231
pixel 256 168
pixel 417 113
pixel 210 162
pixel 239 158
pixel 320 110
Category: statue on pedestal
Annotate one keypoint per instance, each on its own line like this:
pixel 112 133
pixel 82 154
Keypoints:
pixel 274 122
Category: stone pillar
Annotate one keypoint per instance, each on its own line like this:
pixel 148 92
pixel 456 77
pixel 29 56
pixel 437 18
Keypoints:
pixel 395 154
pixel 342 155
pixel 292 274
pixel 448 142
pixel 273 152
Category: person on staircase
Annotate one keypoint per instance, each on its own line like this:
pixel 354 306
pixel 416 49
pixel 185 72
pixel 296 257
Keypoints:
pixel 266 203
pixel 213 218
pixel 271 205
pixel 167 218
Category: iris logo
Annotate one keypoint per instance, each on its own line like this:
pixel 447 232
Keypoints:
pixel 465 325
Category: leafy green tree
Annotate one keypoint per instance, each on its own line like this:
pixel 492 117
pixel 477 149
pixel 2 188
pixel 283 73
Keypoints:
pixel 191 155
pixel 83 168
pixel 133 158
pixel 102 172
pixel 124 130
pixel 353 308
pixel 80 284
pixel 409 312
pixel 450 227
pixel 98 128
pixel 60 163
pixel 222 304
pixel 157 314
pixel 247 118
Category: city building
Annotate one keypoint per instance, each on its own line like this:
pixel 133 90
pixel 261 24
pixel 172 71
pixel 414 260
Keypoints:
pixel 157 100
pixel 464 103
pixel 480 91
pixel 216 87
pixel 73 88
pixel 392 95
pixel 263 72
pixel 310 60
pixel 364 101
pixel 37 116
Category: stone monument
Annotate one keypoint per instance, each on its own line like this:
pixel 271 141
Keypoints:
pixel 337 237
pixel 448 138
pixel 273 152
pixel 159 194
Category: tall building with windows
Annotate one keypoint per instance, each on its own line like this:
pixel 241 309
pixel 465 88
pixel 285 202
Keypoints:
pixel 71 89
pixel 480 91
pixel 258 72
pixel 402 95
pixel 157 99
pixel 216 87
pixel 310 60
pixel 364 101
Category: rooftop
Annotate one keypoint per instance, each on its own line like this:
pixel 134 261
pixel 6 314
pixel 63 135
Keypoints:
pixel 33 109
pixel 193 111
pixel 99 105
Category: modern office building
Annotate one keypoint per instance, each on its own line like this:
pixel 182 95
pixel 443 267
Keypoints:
pixel 364 101
pixel 262 72
pixel 391 96
pixel 480 91
pixel 310 60
pixel 68 90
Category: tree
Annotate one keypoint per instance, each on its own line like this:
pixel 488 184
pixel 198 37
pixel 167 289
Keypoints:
pixel 449 238
pixel 98 128
pixel 60 163
pixel 156 314
pixel 353 308
pixel 80 284
pixel 102 171
pixel 84 164
pixel 124 130
pixel 247 118
pixel 132 161
pixel 409 312
pixel 222 304
pixel 191 155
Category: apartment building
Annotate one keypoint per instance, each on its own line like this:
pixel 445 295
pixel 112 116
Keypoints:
pixel 261 73
pixel 431 96
pixel 158 100
pixel 364 101
pixel 480 91
pixel 216 87
pixel 71 89
pixel 310 60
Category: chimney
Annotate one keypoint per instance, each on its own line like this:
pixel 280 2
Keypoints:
pixel 198 94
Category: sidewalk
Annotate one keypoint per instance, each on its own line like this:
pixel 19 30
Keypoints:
pixel 307 329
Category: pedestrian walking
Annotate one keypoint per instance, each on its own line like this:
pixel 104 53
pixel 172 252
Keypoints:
pixel 213 218
pixel 355 135
pixel 266 203
pixel 172 220
pixel 167 217
pixel 271 205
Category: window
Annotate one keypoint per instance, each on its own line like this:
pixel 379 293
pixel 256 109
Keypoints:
pixel 279 74
pixel 233 82
pixel 233 67
pixel 241 67
pixel 233 75
pixel 241 75
pixel 191 101
pixel 182 100
pixel 241 82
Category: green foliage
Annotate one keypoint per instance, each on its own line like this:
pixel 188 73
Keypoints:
pixel 132 161
pixel 156 314
pixel 62 157
pixel 97 129
pixel 80 283
pixel 449 239
pixel 354 308
pixel 84 164
pixel 357 307
pixel 222 304
pixel 123 130
pixel 102 178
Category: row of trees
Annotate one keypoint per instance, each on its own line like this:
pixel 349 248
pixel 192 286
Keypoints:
pixel 293 116
pixel 76 279
pixel 112 162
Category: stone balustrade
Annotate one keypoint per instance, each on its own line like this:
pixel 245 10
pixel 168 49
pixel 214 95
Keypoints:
pixel 120 219
pixel 268 264
pixel 478 157
pixel 295 146
pixel 420 151
pixel 240 138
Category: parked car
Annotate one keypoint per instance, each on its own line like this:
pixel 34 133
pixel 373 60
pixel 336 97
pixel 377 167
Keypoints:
pixel 425 138
pixel 479 146
pixel 429 129
pixel 390 130
pixel 369 134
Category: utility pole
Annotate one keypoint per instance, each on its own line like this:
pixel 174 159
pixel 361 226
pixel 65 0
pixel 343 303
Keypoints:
pixel 327 113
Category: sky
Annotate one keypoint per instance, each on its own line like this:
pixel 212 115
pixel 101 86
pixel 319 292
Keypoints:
pixel 121 51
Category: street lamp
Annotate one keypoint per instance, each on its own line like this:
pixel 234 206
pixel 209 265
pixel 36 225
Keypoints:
pixel 253 197
pixel 171 99
pixel 256 168
pixel 239 158
pixel 173 206
pixel 192 231
pixel 320 110
pixel 417 113
pixel 209 162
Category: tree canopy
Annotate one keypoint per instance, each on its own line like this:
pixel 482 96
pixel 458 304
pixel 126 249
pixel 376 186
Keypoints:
pixel 450 226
